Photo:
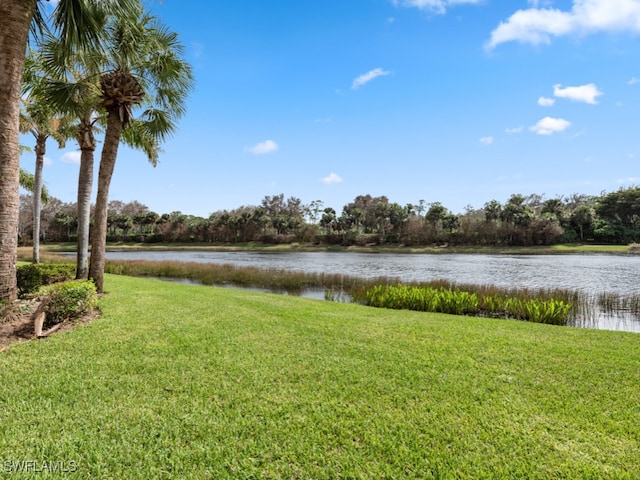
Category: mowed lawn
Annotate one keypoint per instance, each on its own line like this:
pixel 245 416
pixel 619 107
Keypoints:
pixel 177 381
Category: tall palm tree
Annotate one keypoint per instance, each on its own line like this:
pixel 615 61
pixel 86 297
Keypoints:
pixel 149 73
pixel 72 86
pixel 78 22
pixel 38 118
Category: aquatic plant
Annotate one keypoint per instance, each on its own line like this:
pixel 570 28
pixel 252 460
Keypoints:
pixel 462 302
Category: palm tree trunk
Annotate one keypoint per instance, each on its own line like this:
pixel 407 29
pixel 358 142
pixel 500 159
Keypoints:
pixel 87 143
pixel 41 142
pixel 112 137
pixel 15 19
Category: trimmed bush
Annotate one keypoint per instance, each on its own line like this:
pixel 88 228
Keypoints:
pixel 33 276
pixel 29 279
pixel 71 300
pixel 56 272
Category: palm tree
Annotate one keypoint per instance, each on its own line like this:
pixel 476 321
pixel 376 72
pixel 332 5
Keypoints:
pixel 73 87
pixel 38 118
pixel 79 23
pixel 147 72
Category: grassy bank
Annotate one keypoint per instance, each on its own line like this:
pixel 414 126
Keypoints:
pixel 491 250
pixel 197 382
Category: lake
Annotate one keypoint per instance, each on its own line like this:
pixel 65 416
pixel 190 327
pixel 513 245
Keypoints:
pixel 592 274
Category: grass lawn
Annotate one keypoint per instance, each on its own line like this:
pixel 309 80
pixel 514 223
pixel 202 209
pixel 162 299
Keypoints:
pixel 179 381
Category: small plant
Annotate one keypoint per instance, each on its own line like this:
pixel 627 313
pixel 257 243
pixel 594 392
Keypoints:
pixel 71 300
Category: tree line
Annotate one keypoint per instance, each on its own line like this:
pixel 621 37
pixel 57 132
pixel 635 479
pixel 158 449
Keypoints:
pixel 520 221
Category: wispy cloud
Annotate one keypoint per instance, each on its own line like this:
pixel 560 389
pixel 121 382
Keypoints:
pixel 71 157
pixel 367 77
pixel 539 25
pixel 197 48
pixel 633 81
pixel 331 179
pixel 584 93
pixel 550 125
pixel 513 131
pixel 628 180
pixel 546 102
pixel 262 148
pixel 435 6
pixel 486 140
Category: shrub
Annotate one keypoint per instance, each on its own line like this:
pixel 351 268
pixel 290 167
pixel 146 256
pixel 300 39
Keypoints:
pixel 33 276
pixel 71 300
pixel 29 279
pixel 56 272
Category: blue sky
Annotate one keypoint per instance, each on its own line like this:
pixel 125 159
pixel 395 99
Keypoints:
pixel 455 101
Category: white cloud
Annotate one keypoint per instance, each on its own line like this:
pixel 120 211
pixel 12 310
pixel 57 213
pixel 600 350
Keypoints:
pixel 549 125
pixel 367 77
pixel 71 157
pixel 262 148
pixel 633 81
pixel 512 131
pixel 436 6
pixel 47 161
pixel 585 93
pixel 486 140
pixel 331 179
pixel 546 102
pixel 539 25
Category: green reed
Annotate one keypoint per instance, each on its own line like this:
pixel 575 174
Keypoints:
pixel 276 280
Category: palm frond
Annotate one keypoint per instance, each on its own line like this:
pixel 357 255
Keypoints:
pixel 138 135
pixel 28 182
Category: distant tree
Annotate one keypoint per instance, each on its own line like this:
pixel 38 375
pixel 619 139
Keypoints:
pixel 435 214
pixel 450 222
pixel 582 219
pixel 328 221
pixel 313 210
pixel 492 211
pixel 621 207
pixel 554 207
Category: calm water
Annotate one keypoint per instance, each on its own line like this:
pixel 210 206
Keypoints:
pixel 591 274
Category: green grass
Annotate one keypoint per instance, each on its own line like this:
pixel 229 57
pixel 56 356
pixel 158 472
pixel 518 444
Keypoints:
pixel 180 381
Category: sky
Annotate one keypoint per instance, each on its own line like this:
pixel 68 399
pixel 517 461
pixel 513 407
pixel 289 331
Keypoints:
pixel 451 101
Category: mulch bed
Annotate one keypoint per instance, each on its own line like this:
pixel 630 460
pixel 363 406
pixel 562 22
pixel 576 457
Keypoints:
pixel 21 327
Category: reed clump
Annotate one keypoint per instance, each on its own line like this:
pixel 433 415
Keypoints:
pixel 464 302
pixel 613 303
pixel 276 280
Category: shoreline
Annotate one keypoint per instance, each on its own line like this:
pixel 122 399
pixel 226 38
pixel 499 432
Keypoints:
pixel 300 247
